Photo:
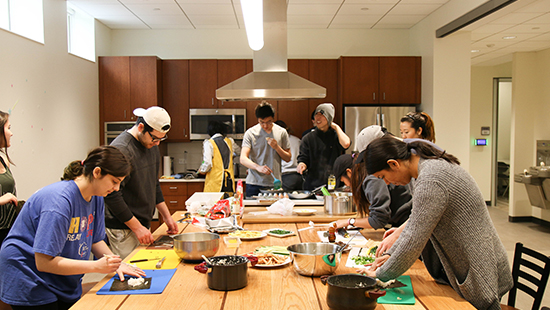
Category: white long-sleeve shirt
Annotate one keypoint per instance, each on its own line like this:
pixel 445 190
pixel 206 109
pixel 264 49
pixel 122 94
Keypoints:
pixel 208 153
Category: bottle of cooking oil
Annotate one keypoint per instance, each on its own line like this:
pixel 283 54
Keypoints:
pixel 331 181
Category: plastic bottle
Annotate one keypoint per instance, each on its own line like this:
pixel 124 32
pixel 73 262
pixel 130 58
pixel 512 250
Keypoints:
pixel 331 181
pixel 240 195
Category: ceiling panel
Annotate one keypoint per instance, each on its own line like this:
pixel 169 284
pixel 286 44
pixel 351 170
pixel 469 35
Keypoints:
pixel 313 9
pixel 155 9
pixel 207 9
pixel 516 18
pixel 364 9
pixel 394 19
pixel 415 9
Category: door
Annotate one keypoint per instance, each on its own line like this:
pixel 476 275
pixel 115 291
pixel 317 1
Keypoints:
pixel 357 118
pixel 391 117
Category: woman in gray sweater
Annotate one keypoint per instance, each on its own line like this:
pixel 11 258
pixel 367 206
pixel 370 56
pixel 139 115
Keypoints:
pixel 449 211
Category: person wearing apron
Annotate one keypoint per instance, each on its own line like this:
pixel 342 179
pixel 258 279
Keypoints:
pixel 218 160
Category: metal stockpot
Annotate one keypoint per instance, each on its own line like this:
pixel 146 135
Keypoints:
pixel 315 258
pixel 351 292
pixel 339 203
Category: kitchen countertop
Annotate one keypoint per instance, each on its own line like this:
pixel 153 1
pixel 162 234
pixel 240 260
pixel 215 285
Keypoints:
pixel 268 288
pixel 190 180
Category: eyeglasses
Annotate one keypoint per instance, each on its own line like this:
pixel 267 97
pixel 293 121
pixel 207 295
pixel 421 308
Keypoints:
pixel 155 139
pixel 266 123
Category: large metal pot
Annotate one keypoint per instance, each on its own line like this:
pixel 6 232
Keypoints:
pixel 229 272
pixel 351 292
pixel 315 258
pixel 191 246
pixel 340 203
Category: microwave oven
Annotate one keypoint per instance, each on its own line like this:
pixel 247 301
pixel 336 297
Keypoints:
pixel 113 129
pixel 235 119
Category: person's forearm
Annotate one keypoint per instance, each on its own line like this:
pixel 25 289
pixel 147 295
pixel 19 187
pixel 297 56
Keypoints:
pixel 245 161
pixel 343 139
pixel 163 210
pixel 63 266
pixel 284 154
pixel 134 224
pixel 100 248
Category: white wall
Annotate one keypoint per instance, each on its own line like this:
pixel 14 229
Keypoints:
pixel 232 43
pixel 504 120
pixel 481 114
pixel 55 120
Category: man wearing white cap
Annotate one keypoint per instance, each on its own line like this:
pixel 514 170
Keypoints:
pixel 129 211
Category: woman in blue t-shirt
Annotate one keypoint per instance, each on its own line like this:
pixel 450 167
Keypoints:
pixel 47 251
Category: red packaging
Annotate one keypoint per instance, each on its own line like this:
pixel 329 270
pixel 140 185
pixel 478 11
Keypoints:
pixel 220 210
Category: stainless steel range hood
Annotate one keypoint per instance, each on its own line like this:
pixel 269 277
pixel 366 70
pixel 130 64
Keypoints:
pixel 271 79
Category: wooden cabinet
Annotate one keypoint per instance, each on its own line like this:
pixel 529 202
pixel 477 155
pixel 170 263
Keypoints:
pixel 175 195
pixel 324 72
pixel 176 97
pixel 380 80
pixel 228 71
pixel 127 83
pixel 203 82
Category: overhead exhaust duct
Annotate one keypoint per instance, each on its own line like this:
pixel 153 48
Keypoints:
pixel 270 78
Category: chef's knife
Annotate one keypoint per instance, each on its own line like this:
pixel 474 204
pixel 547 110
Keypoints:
pixel 143 260
pixel 159 264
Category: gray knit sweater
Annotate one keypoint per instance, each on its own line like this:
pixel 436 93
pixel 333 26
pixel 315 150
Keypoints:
pixel 449 210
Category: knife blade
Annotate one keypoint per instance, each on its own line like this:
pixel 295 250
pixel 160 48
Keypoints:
pixel 159 264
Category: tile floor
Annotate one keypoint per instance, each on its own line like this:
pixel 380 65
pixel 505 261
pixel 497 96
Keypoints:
pixel 532 235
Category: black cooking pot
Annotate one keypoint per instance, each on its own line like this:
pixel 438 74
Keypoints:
pixel 351 292
pixel 228 272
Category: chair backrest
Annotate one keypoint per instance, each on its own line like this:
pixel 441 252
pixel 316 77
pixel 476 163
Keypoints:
pixel 535 273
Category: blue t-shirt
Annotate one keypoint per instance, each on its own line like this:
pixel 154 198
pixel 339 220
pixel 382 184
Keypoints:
pixel 56 221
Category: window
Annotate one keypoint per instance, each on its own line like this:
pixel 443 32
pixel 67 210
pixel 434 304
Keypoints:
pixel 23 17
pixel 80 33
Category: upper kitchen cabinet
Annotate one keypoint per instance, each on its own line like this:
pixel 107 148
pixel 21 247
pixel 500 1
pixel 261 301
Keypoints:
pixel 380 80
pixel 126 83
pixel 228 71
pixel 296 113
pixel 203 82
pixel 324 72
pixel 176 97
pixel 400 80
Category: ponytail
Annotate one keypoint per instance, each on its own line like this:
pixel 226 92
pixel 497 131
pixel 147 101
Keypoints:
pixel 383 149
pixel 421 120
pixel 108 158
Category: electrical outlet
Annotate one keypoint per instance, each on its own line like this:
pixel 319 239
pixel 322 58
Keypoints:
pixel 181 161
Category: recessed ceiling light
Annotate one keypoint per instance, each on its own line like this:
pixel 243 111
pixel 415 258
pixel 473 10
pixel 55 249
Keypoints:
pixel 509 37
pixel 475 51
pixel 364 9
pixel 490 45
pixel 535 28
pixel 156 9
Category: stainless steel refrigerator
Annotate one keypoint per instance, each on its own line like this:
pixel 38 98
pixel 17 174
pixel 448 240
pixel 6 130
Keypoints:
pixel 358 117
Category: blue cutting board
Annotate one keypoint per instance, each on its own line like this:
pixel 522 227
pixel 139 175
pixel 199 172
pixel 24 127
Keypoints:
pixel 159 280
pixel 399 295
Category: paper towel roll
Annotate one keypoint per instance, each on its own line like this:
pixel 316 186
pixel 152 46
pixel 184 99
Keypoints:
pixel 167 166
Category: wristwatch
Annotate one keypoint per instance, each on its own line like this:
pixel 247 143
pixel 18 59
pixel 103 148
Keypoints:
pixel 351 222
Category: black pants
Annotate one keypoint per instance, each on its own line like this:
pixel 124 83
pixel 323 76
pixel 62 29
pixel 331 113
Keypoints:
pixel 58 305
pixel 292 182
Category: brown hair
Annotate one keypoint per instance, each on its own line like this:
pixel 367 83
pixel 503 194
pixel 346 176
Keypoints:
pixel 3 120
pixel 108 158
pixel 358 175
pixel 421 120
pixel 383 149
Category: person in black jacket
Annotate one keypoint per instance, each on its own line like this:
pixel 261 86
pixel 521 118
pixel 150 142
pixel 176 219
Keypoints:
pixel 321 147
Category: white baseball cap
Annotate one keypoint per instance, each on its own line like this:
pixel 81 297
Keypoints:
pixel 156 117
pixel 367 135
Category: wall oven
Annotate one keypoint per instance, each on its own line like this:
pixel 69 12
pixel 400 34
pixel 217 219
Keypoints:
pixel 113 129
pixel 235 119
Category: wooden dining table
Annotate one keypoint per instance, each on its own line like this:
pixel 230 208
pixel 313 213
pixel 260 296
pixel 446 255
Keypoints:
pixel 268 288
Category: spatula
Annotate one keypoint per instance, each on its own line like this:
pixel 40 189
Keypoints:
pixel 276 183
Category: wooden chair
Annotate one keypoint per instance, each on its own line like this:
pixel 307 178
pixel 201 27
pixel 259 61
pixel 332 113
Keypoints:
pixel 535 273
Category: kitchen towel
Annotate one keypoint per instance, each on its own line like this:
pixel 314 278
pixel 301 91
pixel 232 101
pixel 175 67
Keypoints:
pixel 159 280
pixel 167 166
pixel 399 295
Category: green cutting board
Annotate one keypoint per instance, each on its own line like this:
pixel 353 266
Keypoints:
pixel 399 295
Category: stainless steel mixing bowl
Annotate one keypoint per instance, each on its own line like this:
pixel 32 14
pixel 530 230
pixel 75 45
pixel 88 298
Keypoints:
pixel 191 246
pixel 315 258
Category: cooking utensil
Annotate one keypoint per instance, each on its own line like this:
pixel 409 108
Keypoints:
pixel 325 191
pixel 351 292
pixel 276 182
pixel 159 264
pixel 341 248
pixel 143 260
pixel 299 194
pixel 315 258
pixel 206 260
pixel 191 246
pixel 228 272
pixel 340 203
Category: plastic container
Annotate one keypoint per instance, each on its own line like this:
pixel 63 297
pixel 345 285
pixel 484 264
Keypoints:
pixel 232 242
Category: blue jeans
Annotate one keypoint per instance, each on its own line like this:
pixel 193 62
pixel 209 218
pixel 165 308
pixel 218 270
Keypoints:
pixel 254 190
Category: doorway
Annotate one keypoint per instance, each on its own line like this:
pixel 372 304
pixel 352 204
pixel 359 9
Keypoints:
pixel 502 113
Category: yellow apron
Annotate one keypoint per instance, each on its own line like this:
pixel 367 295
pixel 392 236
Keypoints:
pixel 217 176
